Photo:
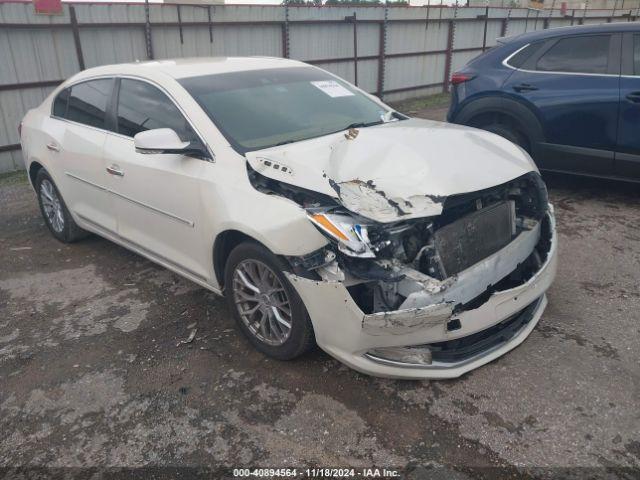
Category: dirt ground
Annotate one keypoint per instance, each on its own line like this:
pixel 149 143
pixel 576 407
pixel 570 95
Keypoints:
pixel 91 374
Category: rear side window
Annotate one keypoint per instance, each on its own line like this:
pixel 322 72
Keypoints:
pixel 636 54
pixel 60 104
pixel 588 54
pixel 523 55
pixel 88 102
pixel 144 107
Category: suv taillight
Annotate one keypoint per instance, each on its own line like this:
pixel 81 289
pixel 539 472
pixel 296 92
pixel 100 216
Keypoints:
pixel 459 77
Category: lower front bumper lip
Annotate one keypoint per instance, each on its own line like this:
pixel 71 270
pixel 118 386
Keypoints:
pixel 524 318
pixel 390 369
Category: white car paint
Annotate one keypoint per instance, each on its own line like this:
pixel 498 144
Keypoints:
pixel 430 166
pixel 171 208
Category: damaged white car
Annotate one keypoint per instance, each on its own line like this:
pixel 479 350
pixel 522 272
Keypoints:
pixel 404 248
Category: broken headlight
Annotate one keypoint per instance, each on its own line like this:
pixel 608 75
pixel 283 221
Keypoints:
pixel 350 235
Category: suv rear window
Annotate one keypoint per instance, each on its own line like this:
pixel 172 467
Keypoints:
pixel 584 54
pixel 523 55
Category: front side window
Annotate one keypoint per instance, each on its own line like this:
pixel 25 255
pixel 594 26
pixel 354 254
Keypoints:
pixel 636 54
pixel 144 107
pixel 588 54
pixel 88 102
pixel 263 108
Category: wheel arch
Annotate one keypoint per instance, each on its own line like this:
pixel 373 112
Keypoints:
pixel 223 244
pixel 34 168
pixel 521 114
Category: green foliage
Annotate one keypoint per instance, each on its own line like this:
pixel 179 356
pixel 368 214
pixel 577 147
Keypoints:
pixel 13 178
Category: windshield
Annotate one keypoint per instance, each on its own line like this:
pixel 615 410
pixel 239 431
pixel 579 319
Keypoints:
pixel 263 108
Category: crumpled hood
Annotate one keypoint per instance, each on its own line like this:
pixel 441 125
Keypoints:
pixel 396 171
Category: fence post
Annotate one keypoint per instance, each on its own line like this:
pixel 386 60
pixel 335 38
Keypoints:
pixel 448 57
pixel 76 36
pixel 382 51
pixel 147 31
pixel 486 22
pixel 210 24
pixel 285 32
pixel 353 18
pixel 180 25
pixel 613 13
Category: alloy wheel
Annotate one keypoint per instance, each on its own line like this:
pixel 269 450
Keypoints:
pixel 262 302
pixel 52 206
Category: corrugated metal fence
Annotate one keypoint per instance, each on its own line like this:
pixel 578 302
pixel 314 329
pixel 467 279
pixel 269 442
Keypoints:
pixel 394 52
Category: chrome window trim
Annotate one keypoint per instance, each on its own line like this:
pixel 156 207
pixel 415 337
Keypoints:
pixel 505 62
pixel 131 77
pixel 189 223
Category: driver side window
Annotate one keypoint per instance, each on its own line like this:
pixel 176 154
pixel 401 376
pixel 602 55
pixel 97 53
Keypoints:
pixel 142 106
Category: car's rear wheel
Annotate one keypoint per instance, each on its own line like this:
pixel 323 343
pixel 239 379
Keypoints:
pixel 54 210
pixel 265 305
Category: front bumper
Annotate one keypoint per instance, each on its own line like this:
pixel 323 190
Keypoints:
pixel 483 334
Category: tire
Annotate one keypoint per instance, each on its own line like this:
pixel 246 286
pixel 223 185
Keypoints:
pixel 250 266
pixel 55 212
pixel 509 132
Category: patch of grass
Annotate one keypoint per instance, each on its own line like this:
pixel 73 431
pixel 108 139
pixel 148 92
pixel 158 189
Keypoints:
pixel 13 178
pixel 438 100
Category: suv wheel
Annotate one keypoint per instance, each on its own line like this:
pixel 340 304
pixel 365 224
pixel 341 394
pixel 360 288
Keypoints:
pixel 267 308
pixel 54 210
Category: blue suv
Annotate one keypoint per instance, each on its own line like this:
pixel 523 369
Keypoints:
pixel 569 96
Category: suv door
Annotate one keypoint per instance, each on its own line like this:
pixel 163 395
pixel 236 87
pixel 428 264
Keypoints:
pixel 156 196
pixel 627 162
pixel 78 134
pixel 572 84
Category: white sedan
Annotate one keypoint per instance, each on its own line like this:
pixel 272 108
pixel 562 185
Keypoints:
pixel 402 247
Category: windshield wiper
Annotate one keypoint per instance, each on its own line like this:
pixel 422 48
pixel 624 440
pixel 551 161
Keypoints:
pixel 362 124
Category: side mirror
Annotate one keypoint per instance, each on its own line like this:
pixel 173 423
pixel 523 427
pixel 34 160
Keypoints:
pixel 166 140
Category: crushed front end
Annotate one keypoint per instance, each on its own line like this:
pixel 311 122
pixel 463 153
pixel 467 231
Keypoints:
pixel 430 297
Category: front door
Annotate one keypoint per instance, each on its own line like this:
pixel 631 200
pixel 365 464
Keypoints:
pixel 156 196
pixel 573 85
pixel 627 162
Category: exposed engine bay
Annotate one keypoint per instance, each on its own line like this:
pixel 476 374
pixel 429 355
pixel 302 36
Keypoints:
pixel 449 258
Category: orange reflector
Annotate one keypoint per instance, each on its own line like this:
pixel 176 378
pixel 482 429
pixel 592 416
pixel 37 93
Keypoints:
pixel 329 227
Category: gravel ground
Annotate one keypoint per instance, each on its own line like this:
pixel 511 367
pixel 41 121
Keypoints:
pixel 90 374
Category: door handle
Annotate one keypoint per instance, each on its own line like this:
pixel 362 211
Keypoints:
pixel 524 87
pixel 634 97
pixel 53 147
pixel 115 170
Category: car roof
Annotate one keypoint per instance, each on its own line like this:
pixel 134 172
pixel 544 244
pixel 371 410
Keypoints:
pixel 191 67
pixel 575 30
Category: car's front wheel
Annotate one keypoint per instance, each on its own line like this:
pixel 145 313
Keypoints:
pixel 267 308
pixel 509 131
pixel 55 212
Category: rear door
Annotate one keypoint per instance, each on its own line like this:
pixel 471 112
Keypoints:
pixel 76 148
pixel 156 196
pixel 627 162
pixel 573 85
